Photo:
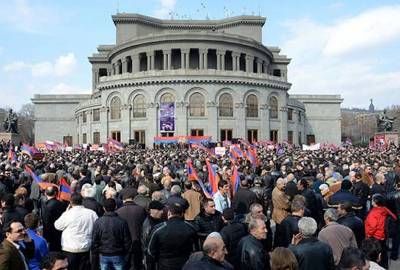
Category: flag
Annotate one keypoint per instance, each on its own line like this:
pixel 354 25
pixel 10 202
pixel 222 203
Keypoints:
pixel 11 155
pixel 202 147
pixel 114 145
pixel 236 152
pixel 213 177
pixel 28 150
pixel 37 179
pixel 65 190
pixel 235 179
pixel 192 175
pixel 252 156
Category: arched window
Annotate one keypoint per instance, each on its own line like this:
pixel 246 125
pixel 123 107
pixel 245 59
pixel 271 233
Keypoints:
pixel 167 97
pixel 196 105
pixel 115 108
pixel 139 106
pixel 252 106
pixel 273 108
pixel 226 105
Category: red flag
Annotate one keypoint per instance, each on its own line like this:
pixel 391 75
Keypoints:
pixel 213 177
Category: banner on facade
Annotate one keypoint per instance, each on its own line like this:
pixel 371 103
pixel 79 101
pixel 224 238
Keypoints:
pixel 167 116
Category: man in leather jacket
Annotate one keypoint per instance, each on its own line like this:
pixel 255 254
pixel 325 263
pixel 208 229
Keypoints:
pixel 261 194
pixel 348 218
pixel 309 251
pixel 251 251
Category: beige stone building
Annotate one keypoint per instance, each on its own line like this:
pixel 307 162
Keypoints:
pixel 188 77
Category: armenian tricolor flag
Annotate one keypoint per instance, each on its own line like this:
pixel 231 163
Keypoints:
pixel 213 177
pixel 235 180
pixel 37 179
pixel 28 150
pixel 192 175
pixel 11 155
pixel 65 190
pixel 114 145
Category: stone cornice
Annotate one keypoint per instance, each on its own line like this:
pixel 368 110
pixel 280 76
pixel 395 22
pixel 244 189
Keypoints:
pixel 132 18
pixel 192 77
pixel 204 38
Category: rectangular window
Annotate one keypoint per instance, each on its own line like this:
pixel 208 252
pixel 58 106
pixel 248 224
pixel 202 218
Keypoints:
pixel 167 134
pixel 300 139
pixel 139 136
pixel 252 135
pixel 290 114
pixel 96 137
pixel 96 115
pixel 84 117
pixel 226 134
pixel 299 116
pixel 197 132
pixel 290 136
pixel 84 138
pixel 116 135
pixel 273 134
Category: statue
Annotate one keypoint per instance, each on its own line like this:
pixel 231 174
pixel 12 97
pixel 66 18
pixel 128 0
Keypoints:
pixel 385 123
pixel 11 122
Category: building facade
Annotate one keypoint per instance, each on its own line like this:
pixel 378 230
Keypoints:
pixel 195 77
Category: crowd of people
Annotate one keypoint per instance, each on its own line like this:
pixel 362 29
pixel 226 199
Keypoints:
pixel 141 209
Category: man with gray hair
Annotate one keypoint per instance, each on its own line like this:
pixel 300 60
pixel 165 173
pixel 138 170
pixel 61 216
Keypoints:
pixel 88 193
pixel 309 251
pixel 337 236
pixel 176 198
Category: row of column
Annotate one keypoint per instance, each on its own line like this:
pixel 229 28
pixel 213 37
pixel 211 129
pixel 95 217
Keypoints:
pixel 185 59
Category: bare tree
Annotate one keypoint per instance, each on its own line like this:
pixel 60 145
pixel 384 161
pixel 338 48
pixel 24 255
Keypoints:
pixel 26 123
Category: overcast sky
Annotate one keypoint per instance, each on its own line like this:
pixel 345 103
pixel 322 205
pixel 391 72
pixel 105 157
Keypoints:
pixel 349 48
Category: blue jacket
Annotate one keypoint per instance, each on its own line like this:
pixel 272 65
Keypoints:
pixel 41 250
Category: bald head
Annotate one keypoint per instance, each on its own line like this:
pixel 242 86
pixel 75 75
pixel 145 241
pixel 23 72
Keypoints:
pixel 214 247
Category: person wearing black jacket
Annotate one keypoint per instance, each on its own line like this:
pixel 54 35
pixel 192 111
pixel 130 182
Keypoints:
pixel 309 251
pixel 251 252
pixel 134 215
pixel 348 218
pixel 10 213
pixel 111 239
pixel 208 220
pixel 289 224
pixel 393 203
pixel 52 209
pixel 361 190
pixel 311 199
pixel 171 242
pixel 243 198
pixel 88 193
pixel 231 233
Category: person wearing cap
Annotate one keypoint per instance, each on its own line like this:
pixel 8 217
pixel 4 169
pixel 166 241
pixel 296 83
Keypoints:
pixel 134 215
pixel 156 210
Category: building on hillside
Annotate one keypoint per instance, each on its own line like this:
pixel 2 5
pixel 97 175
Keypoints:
pixel 188 77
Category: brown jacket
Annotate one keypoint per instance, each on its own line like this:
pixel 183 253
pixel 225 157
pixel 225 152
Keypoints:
pixel 194 198
pixel 280 202
pixel 11 259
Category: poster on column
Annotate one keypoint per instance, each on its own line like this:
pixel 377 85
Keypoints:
pixel 167 119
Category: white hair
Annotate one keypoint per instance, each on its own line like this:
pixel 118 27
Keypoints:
pixel 331 214
pixel 87 191
pixel 176 189
pixel 307 226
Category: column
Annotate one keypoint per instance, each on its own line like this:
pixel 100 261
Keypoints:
pixel 265 128
pixel 265 66
pixel 187 59
pixel 206 59
pixel 182 59
pixel 148 61
pixel 212 120
pixel 181 118
pixel 169 53
pixel 165 63
pixel 295 118
pixel 218 60
pixel 259 66
pixel 125 123
pixel 151 54
pixel 152 123
pixel 283 131
pixel 235 56
pixel 201 58
pixel 240 120
pixel 124 66
pixel 104 124
pixel 89 118
pixel 249 63
pixel 93 78
pixel 135 63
